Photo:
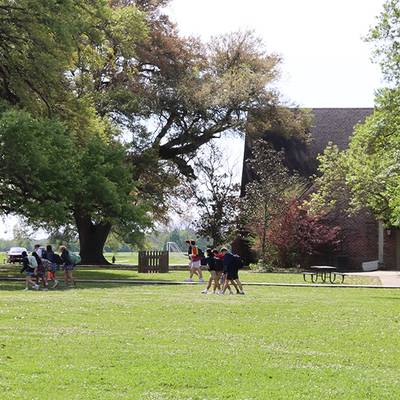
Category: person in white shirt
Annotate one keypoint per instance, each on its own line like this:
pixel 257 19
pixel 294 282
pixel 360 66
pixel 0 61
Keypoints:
pixel 38 250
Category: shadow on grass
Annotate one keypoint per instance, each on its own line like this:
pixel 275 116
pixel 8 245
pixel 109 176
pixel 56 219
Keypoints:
pixel 115 278
pixel 13 286
pixel 386 297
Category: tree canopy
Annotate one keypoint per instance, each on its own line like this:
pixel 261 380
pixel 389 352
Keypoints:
pixel 216 197
pixel 113 103
pixel 367 174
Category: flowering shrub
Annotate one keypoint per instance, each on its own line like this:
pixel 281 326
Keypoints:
pixel 297 235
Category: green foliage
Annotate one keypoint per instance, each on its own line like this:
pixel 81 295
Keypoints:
pixel 215 197
pixel 373 161
pixel 266 195
pixel 37 168
pixel 45 178
pixel 367 174
pixel 330 183
pixel 102 71
pixel 385 38
pixel 37 42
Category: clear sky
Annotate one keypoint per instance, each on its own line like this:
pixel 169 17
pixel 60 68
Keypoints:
pixel 325 61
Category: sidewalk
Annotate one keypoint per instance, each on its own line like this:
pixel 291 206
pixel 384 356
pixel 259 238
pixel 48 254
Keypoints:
pixel 387 278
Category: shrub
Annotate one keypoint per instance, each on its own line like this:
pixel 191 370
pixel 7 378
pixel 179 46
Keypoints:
pixel 296 235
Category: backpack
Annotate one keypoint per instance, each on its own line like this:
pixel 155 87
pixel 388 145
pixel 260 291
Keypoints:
pixel 237 261
pixel 32 262
pixel 75 259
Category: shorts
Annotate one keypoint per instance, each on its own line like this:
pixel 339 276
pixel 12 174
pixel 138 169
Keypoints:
pixel 68 267
pixel 232 275
pixel 195 264
pixel 53 268
pixel 29 273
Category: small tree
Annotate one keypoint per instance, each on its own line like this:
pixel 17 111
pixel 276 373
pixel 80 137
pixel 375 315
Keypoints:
pixel 266 195
pixel 216 197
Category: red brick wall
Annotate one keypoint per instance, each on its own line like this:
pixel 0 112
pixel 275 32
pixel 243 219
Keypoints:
pixel 360 241
pixel 389 254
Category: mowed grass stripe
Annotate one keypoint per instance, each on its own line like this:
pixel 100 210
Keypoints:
pixel 124 342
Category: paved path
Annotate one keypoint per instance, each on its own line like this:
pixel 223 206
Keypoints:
pixel 387 278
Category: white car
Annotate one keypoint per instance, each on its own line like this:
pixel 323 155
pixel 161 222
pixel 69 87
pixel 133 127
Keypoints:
pixel 15 254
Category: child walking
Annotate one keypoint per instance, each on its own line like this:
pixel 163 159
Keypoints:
pixel 195 262
pixel 215 267
pixel 41 272
pixel 231 271
pixel 68 266
pixel 55 262
pixel 28 266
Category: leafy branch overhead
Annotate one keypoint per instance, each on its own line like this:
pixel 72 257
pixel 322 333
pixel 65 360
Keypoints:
pixel 367 174
pixel 118 103
pixel 215 195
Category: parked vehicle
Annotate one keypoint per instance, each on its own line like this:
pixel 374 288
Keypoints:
pixel 15 254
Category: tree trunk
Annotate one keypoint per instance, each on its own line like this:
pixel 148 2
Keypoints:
pixel 92 238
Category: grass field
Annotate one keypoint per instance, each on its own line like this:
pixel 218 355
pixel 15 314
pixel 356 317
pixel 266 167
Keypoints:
pixel 132 258
pixel 167 343
pixel 245 276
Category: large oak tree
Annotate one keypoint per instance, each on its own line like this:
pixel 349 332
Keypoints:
pixel 133 97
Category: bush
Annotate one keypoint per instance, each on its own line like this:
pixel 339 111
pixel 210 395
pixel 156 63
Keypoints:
pixel 296 235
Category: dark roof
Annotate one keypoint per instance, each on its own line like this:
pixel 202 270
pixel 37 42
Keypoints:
pixel 334 125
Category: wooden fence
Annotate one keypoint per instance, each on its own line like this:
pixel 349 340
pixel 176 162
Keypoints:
pixel 153 261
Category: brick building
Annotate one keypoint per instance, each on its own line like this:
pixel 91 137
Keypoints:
pixel 364 239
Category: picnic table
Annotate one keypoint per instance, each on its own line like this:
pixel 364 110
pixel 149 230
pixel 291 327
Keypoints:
pixel 324 273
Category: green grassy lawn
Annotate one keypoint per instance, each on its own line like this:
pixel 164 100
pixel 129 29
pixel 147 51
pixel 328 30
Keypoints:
pixel 131 258
pixel 168 343
pixel 245 276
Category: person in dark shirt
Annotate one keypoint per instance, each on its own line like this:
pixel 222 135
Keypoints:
pixel 231 271
pixel 68 266
pixel 55 261
pixel 29 272
pixel 40 272
pixel 215 268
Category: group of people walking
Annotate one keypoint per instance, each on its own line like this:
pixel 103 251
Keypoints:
pixel 223 266
pixel 40 268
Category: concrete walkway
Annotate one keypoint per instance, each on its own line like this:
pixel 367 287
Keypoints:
pixel 387 278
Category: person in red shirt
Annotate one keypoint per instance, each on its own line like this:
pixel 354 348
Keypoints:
pixel 195 261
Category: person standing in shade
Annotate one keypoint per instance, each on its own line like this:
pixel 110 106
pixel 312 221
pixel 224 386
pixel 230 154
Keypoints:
pixel 55 261
pixel 38 250
pixel 30 271
pixel 68 266
pixel 41 275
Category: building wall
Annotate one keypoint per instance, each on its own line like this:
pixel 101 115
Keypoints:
pixel 360 243
pixel 390 255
